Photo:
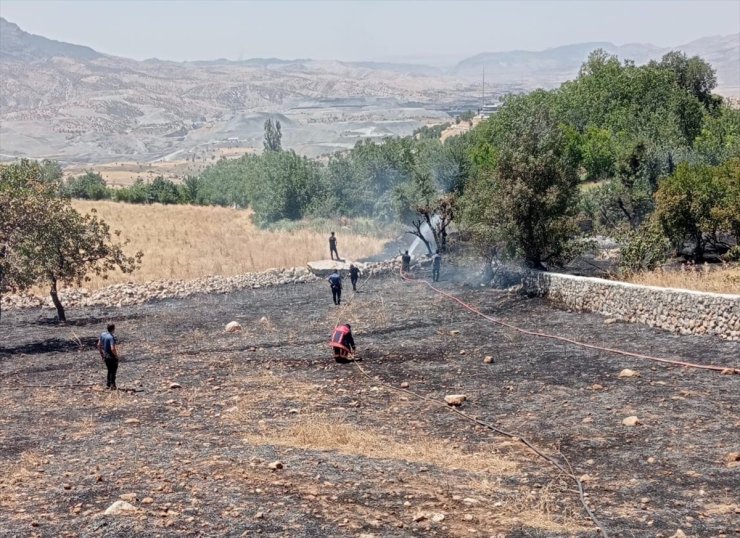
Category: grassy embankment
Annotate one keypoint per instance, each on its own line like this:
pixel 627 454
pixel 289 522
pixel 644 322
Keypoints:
pixel 725 279
pixel 188 242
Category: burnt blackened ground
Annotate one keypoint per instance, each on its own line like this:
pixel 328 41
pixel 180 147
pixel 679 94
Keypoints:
pixel 359 458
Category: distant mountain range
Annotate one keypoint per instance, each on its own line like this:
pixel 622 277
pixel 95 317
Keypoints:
pixel 553 66
pixel 71 102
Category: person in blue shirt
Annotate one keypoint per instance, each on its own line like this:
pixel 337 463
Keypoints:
pixel 109 354
pixel 335 282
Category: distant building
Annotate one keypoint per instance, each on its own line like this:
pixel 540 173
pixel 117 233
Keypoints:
pixel 490 109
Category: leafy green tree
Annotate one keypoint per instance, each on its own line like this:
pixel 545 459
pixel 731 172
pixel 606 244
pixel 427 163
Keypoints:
pixel 43 239
pixel 89 186
pixel 693 74
pixel 23 196
pixel 685 206
pixel 599 153
pixel 273 135
pixel 643 249
pixel 727 210
pixel 66 247
pixel 529 203
pixel 719 139
pixel 163 191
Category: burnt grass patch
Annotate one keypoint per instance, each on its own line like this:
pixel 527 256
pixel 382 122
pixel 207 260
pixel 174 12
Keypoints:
pixel 359 458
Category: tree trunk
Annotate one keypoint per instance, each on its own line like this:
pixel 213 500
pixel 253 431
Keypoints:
pixel 57 303
pixel 699 248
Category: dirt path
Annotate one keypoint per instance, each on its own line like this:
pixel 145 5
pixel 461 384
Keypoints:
pixel 357 458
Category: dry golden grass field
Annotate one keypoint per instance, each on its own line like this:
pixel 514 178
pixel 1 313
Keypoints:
pixel 724 279
pixel 188 242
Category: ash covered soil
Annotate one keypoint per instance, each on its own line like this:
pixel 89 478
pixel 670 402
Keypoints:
pixel 360 459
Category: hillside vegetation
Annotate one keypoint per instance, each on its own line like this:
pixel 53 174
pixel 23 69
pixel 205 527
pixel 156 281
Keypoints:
pixel 659 150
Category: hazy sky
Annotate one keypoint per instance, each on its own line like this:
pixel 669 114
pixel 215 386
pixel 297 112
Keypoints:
pixel 353 30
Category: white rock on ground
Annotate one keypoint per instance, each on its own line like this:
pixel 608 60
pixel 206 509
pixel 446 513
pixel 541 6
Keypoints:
pixel 455 399
pixel 233 327
pixel 323 268
pixel 120 508
pixel 629 373
pixel 631 421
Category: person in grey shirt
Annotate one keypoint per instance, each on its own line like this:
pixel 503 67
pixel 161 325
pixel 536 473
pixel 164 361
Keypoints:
pixel 109 354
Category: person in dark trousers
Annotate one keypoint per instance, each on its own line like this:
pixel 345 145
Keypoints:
pixel 342 342
pixel 405 262
pixel 436 264
pixel 335 282
pixel 354 274
pixel 333 246
pixel 109 354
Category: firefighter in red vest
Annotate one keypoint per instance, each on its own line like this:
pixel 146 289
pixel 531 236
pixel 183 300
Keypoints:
pixel 342 342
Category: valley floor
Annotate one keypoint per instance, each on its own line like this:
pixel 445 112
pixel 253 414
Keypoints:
pixel 359 459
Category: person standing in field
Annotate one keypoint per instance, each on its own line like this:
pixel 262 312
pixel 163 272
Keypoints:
pixel 109 354
pixel 436 264
pixel 335 282
pixel 333 246
pixel 405 262
pixel 354 274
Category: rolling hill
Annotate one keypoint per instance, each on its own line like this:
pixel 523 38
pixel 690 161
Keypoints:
pixel 70 102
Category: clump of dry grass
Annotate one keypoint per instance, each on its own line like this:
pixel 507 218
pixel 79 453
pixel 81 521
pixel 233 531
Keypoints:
pixel 724 279
pixel 324 433
pixel 188 242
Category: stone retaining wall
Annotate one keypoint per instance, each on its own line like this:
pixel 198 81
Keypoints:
pixel 676 310
pixel 128 294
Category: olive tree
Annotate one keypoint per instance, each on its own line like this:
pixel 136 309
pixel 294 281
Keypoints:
pixel 43 239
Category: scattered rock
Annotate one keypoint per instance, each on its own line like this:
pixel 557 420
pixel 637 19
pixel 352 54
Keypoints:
pixel 175 386
pixel 147 500
pixel 651 460
pixel 610 321
pixel 631 421
pixel 733 458
pixel 128 497
pixel 488 360
pixel 587 420
pixel 120 508
pixel 455 332
pixel 404 385
pixel 679 534
pixel 585 478
pixel 455 399
pixel 462 352
pixel 419 517
pixel 131 421
pixel 275 465
pixel 437 518
pixel 729 371
pixel 259 515
pixel 629 373
pixel 233 327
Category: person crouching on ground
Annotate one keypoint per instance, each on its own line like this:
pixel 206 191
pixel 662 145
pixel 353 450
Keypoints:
pixel 335 282
pixel 342 342
pixel 109 354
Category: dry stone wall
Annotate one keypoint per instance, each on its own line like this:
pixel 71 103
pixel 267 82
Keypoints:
pixel 129 294
pixel 675 310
